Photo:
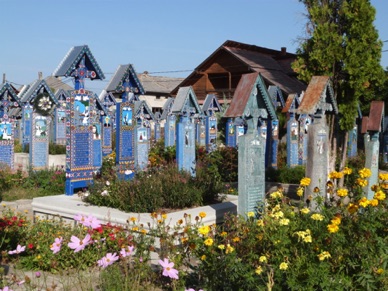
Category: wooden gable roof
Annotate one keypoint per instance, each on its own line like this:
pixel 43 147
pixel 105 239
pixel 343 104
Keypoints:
pixel 251 90
pixel 72 60
pixel 123 72
pixel 185 98
pixel 319 95
pixel 211 103
pixel 235 59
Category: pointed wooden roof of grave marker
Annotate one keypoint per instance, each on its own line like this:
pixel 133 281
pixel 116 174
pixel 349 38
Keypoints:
pixel 72 60
pixel 118 80
pixel 292 103
pixel 376 116
pixel 276 96
pixel 8 94
pixel 61 95
pixel 167 108
pixel 100 106
pixel 211 104
pixel 251 91
pixel 37 87
pixel 147 112
pixel 185 98
pixel 319 95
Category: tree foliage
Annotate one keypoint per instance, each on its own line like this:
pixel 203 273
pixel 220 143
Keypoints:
pixel 343 43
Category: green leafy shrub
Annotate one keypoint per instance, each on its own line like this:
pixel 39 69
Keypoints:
pixel 225 159
pixel 57 149
pixel 291 175
pixel 45 182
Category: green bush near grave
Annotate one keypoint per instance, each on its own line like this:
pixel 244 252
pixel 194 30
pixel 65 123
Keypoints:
pixel 157 188
pixel 57 149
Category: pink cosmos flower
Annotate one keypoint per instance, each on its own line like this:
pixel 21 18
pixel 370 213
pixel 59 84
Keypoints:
pixel 109 259
pixel 56 246
pixel 92 221
pixel 19 249
pixel 124 253
pixel 168 270
pixel 6 288
pixel 78 245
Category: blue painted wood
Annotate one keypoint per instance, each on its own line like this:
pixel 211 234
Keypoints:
pixel 352 142
pixel 39 146
pixel 211 133
pixel 107 136
pixel 157 131
pixel 125 148
pixel 81 73
pixel 170 131
pixel 26 126
pixel 200 132
pixel 292 142
pixel 185 147
pixel 230 133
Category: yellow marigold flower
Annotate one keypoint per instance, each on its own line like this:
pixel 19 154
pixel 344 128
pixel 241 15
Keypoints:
pixel 299 192
pixel 160 221
pixel 276 194
pixel 133 219
pixel 336 220
pixel 365 173
pixel 202 214
pixel 361 182
pixel 380 271
pixel 336 175
pixel 379 195
pixel 342 192
pixel 283 266
pixel 135 228
pixel 317 216
pixel 143 231
pixel 308 239
pixel 184 239
pixel 229 249
pixel 208 242
pixel 276 208
pixel 204 230
pixel 374 202
pixel 383 176
pixel 260 222
pixel 180 221
pixel 347 171
pixel 164 215
pixel 305 210
pixel 224 233
pixel 284 221
pixel 203 257
pixel 263 259
pixel 364 202
pixel 352 208
pixel 332 228
pixel 259 270
pixel 277 215
pixel 250 214
pixel 324 255
pixel 305 182
pixel 236 239
pixel 221 247
pixel 154 215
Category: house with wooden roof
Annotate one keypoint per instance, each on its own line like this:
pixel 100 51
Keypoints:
pixel 221 72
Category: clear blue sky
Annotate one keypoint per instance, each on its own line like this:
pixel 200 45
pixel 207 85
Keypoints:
pixel 159 36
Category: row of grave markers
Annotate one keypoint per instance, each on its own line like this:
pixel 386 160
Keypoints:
pixel 83 122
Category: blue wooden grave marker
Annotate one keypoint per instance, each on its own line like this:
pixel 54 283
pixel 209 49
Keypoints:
pixel 247 102
pixel 210 107
pixel 81 107
pixel 317 101
pixel 292 136
pixel 59 135
pixel 200 130
pixel 143 116
pixel 8 102
pixel 157 127
pixel 186 106
pixel 170 124
pixel 278 103
pixel 372 127
pixel 353 135
pixel 125 147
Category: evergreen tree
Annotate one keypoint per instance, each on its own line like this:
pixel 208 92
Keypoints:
pixel 343 43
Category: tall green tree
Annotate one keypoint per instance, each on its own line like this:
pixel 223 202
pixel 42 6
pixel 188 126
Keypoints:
pixel 342 42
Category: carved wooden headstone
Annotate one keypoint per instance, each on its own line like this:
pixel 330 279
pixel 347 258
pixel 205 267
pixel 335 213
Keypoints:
pixel 375 124
pixel 170 123
pixel 186 107
pixel 109 121
pixel 200 130
pixel 157 127
pixel 8 102
pixel 59 136
pixel 81 113
pixel 210 107
pixel 318 100
pixel 292 130
pixel 143 117
pixel 248 103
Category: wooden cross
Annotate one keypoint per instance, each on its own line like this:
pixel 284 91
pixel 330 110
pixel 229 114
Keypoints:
pixel 81 73
pixel 5 105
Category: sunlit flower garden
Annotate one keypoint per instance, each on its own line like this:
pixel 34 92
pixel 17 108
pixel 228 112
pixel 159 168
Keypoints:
pixel 341 245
